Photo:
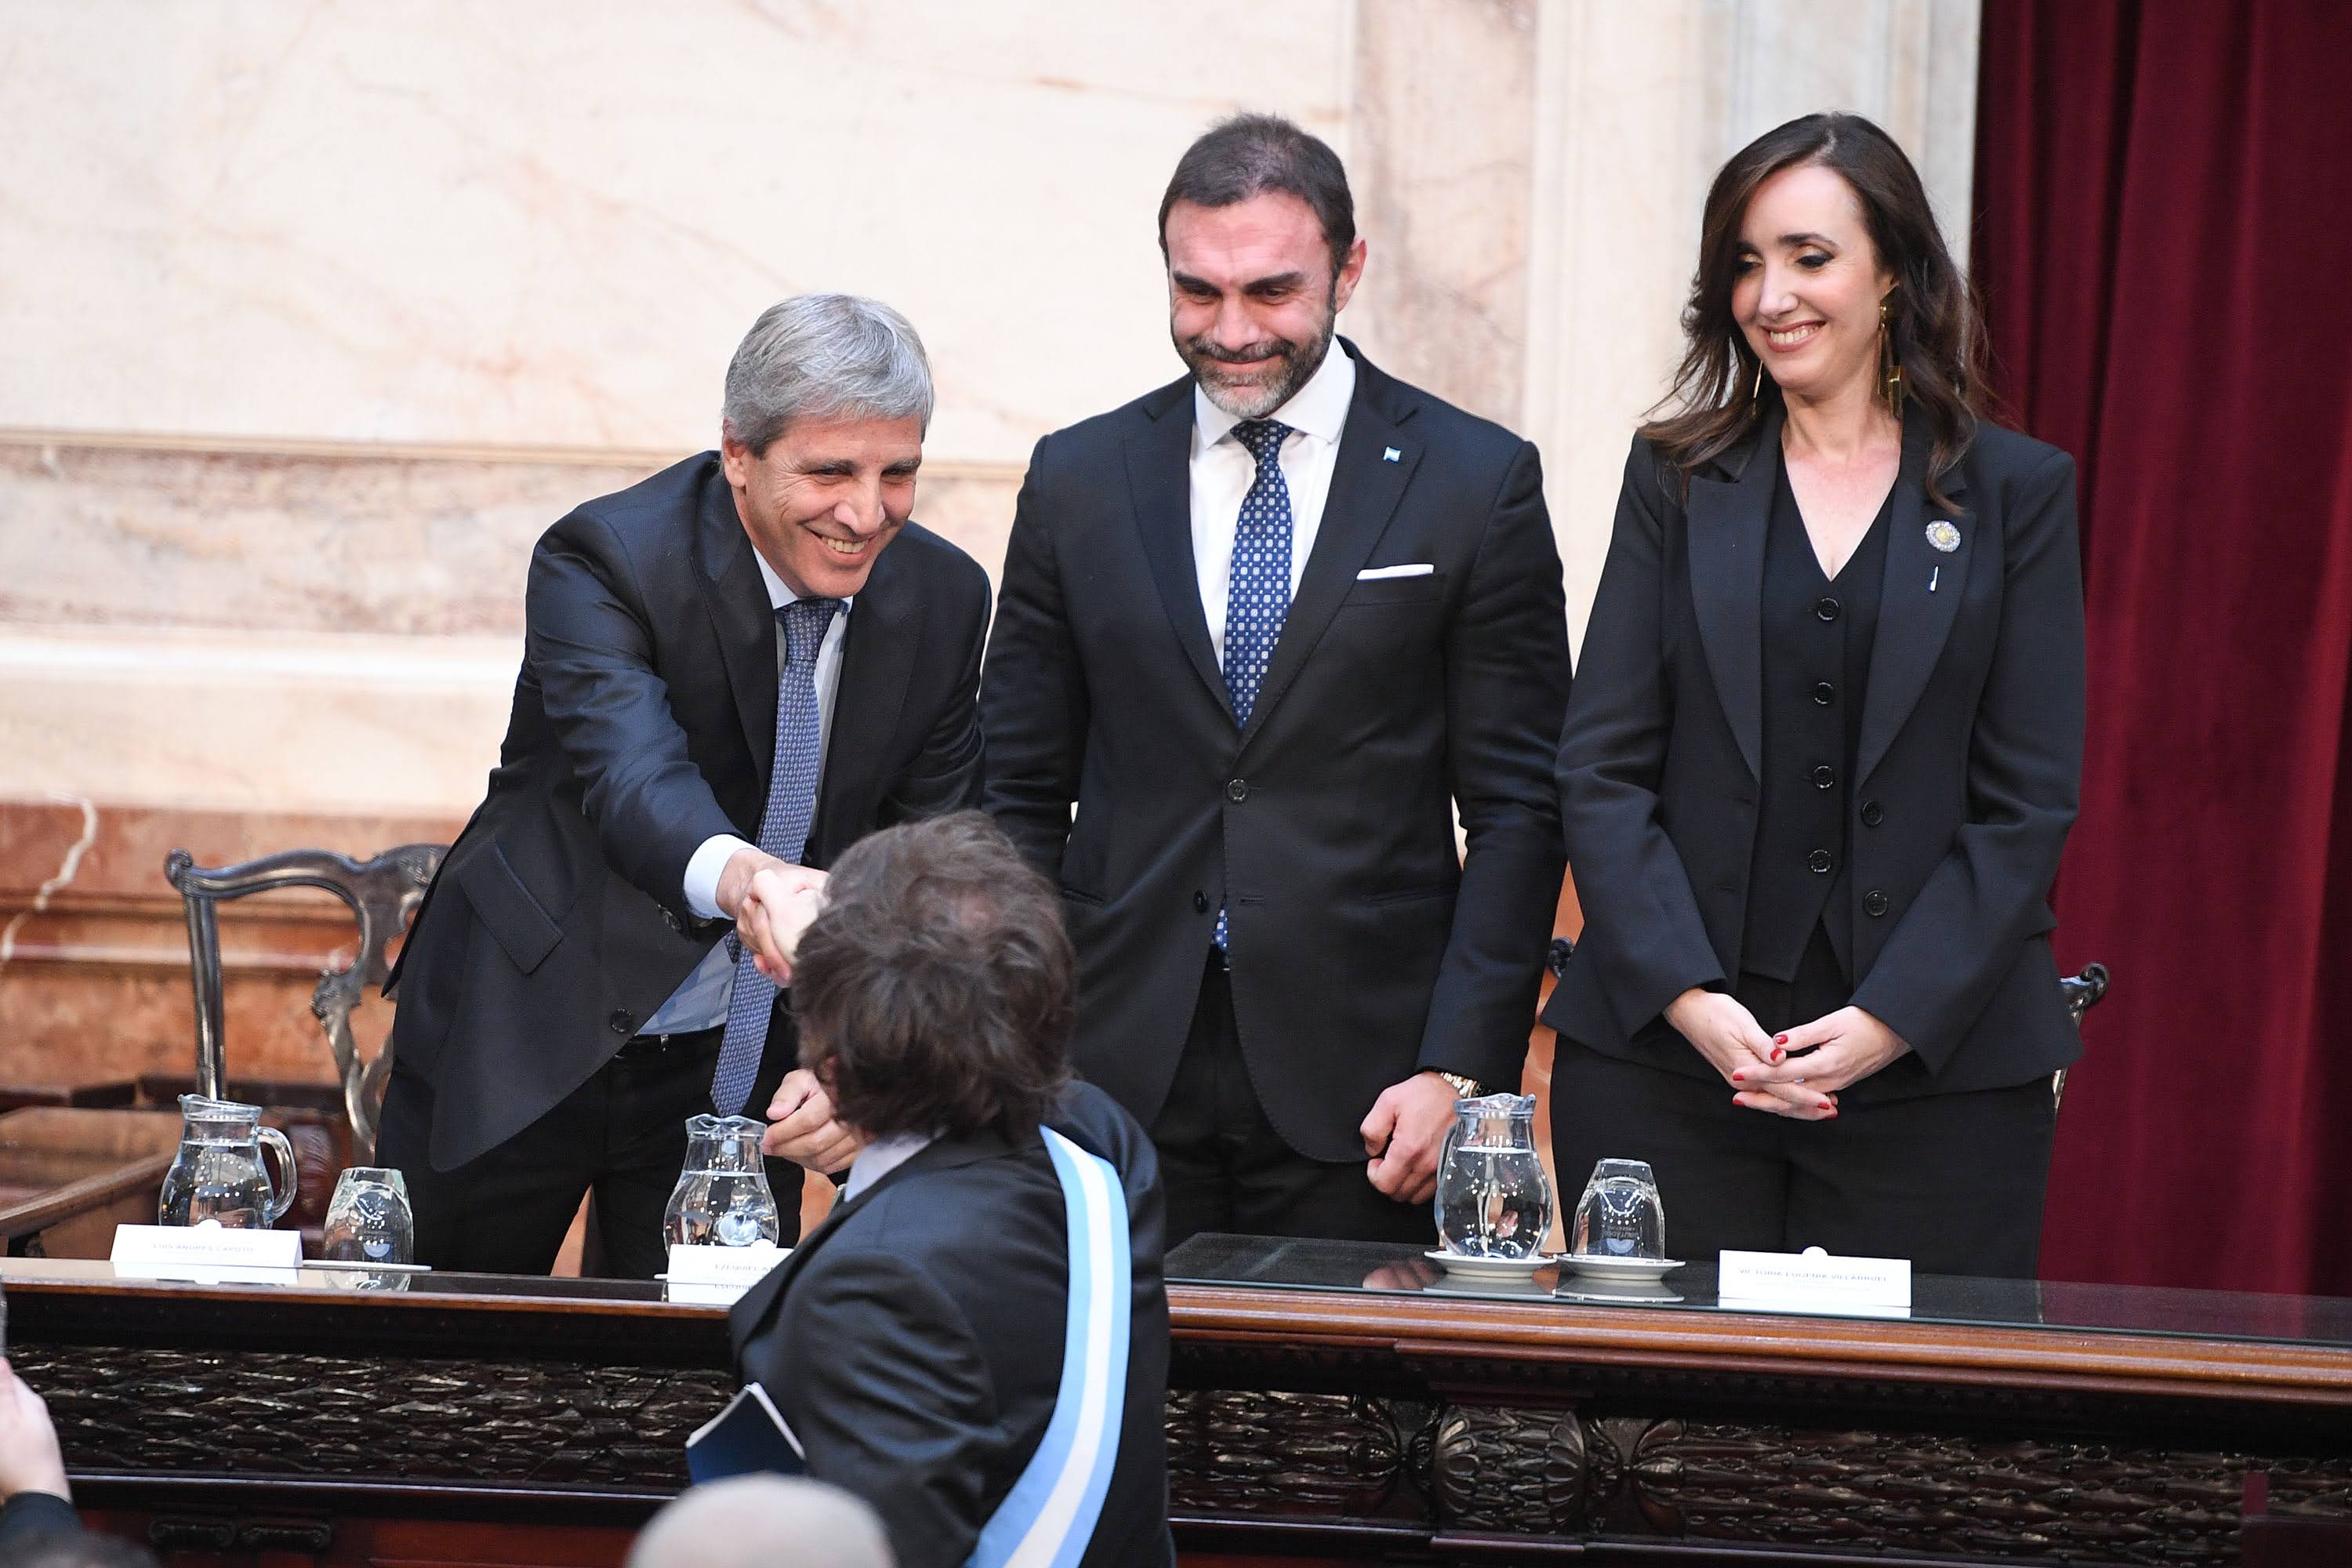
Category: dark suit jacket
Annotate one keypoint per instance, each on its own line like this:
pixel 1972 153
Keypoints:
pixel 914 1339
pixel 644 722
pixel 29 1517
pixel 1970 760
pixel 1363 947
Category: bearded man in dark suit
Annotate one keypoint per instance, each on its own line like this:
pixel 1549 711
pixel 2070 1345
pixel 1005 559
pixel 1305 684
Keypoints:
pixel 1268 630
pixel 731 672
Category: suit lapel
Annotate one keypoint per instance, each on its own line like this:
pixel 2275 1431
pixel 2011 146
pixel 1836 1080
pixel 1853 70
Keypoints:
pixel 1913 623
pixel 759 1303
pixel 1366 486
pixel 744 620
pixel 878 660
pixel 1160 480
pixel 1728 517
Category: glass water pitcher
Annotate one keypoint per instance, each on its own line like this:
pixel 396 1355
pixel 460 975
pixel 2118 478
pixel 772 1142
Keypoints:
pixel 1492 1197
pixel 722 1198
pixel 219 1175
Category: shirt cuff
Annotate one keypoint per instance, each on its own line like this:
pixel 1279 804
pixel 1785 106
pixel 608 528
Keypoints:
pixel 702 874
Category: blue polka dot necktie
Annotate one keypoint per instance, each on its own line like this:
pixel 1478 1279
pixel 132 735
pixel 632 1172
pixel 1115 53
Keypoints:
pixel 1258 595
pixel 783 833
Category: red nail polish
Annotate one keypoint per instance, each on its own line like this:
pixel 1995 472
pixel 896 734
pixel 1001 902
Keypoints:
pixel 1777 1055
pixel 1779 1039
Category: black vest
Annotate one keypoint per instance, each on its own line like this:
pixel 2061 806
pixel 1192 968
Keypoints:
pixel 1817 637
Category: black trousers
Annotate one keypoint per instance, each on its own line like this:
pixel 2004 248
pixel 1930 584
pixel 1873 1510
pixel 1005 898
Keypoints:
pixel 1952 1181
pixel 621 1135
pixel 1225 1168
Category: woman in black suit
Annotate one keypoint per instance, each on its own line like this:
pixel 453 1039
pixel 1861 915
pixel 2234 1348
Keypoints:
pixel 1823 749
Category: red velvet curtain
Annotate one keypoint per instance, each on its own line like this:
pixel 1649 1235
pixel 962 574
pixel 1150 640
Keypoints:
pixel 2163 237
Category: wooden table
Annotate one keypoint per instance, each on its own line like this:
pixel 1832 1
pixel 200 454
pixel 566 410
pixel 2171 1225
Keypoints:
pixel 477 1419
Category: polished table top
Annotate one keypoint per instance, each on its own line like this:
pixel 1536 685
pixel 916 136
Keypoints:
pixel 1371 1268
pixel 1370 1272
pixel 1379 1317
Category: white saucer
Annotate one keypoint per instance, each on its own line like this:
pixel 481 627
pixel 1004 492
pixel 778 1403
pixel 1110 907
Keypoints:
pixel 1470 1267
pixel 1604 1295
pixel 1625 1270
pixel 1484 1290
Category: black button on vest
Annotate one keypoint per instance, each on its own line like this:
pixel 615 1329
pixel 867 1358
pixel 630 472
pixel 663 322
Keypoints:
pixel 1817 634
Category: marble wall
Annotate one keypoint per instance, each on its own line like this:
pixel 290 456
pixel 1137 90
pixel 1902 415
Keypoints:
pixel 1636 106
pixel 316 313
pixel 546 223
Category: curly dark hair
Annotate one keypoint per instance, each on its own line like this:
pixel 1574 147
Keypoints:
pixel 937 990
pixel 1932 323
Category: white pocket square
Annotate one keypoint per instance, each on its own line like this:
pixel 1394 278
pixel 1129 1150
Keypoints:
pixel 1413 569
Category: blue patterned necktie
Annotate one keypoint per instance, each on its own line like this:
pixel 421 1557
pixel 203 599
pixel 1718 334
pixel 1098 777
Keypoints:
pixel 783 833
pixel 1258 595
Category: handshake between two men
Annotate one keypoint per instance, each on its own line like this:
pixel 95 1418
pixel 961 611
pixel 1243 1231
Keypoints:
pixel 774 902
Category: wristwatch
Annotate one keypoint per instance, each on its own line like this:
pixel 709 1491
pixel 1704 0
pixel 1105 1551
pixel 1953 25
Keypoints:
pixel 1464 1086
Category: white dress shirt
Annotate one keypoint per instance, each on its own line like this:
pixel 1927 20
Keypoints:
pixel 701 1002
pixel 1223 471
pixel 881 1157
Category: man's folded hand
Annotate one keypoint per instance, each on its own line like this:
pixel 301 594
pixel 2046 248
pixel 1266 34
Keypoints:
pixel 803 1129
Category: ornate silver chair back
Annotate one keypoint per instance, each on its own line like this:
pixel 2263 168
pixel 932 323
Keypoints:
pixel 383 894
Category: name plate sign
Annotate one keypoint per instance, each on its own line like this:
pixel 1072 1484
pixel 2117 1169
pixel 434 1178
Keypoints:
pixel 206 1253
pixel 1813 1281
pixel 718 1276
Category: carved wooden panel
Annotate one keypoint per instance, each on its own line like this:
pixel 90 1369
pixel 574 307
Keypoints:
pixel 1366 1426
pixel 1253 1452
pixel 539 1424
pixel 1512 1471
pixel 1553 1471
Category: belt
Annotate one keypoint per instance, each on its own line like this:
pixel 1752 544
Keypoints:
pixel 656 1044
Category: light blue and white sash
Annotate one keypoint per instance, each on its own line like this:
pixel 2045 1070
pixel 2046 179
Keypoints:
pixel 1048 1517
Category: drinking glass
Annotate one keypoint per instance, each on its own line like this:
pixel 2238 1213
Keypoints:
pixel 369 1220
pixel 1620 1214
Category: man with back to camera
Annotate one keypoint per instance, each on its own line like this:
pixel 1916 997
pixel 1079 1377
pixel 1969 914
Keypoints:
pixel 1266 628
pixel 732 671
pixel 975 1341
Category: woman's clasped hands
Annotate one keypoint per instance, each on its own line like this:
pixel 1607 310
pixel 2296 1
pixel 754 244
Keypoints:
pixel 1797 1074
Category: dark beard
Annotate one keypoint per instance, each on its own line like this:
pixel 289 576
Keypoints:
pixel 1298 364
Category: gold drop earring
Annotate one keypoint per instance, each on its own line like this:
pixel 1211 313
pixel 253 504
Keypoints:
pixel 1756 393
pixel 1890 375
